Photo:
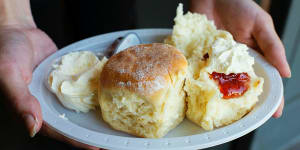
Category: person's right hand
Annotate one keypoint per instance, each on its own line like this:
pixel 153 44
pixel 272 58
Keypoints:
pixel 22 48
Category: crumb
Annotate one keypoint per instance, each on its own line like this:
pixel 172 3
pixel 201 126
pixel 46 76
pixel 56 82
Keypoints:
pixel 63 116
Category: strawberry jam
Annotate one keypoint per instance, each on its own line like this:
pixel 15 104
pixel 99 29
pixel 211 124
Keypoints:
pixel 232 85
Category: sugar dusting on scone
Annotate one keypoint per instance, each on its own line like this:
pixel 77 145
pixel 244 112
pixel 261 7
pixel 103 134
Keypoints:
pixel 141 90
pixel 221 84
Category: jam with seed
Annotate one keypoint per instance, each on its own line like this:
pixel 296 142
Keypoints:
pixel 232 85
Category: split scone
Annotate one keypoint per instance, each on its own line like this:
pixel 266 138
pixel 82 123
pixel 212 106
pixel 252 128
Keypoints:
pixel 221 84
pixel 141 90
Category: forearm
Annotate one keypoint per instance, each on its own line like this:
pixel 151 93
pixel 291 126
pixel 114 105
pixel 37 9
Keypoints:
pixel 16 12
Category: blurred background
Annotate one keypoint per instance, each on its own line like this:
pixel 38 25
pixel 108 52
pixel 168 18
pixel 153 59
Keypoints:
pixel 67 21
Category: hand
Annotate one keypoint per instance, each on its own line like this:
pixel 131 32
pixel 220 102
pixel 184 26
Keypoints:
pixel 21 49
pixel 249 24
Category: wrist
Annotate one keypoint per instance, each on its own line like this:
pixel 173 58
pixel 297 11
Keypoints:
pixel 16 13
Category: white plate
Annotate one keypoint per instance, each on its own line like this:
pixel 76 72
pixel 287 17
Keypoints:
pixel 90 129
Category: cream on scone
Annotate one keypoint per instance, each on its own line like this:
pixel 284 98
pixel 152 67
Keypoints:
pixel 141 90
pixel 221 84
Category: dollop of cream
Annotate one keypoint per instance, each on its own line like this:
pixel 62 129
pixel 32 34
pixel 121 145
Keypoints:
pixel 75 79
pixel 228 56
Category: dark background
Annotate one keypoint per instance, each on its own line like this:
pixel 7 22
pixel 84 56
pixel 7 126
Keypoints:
pixel 67 21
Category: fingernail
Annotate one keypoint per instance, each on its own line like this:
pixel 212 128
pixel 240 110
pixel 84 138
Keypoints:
pixel 288 76
pixel 31 123
pixel 289 71
pixel 279 114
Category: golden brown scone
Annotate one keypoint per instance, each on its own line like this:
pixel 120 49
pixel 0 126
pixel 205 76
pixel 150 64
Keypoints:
pixel 141 90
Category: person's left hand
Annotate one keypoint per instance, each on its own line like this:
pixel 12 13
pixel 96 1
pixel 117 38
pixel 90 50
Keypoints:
pixel 249 24
pixel 22 48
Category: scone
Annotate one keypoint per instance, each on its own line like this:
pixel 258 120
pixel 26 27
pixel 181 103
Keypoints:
pixel 141 90
pixel 74 80
pixel 221 84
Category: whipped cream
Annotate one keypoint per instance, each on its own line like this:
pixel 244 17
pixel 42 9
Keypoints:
pixel 228 56
pixel 74 80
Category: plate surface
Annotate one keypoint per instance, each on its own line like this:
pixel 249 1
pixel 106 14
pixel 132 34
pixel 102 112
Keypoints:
pixel 90 129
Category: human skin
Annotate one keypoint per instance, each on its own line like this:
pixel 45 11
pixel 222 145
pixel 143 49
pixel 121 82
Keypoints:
pixel 23 46
pixel 249 24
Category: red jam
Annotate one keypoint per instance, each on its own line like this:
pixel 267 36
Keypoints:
pixel 232 85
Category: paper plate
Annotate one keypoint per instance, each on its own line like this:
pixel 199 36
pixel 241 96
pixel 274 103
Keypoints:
pixel 90 129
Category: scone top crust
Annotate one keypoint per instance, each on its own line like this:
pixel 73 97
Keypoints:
pixel 145 69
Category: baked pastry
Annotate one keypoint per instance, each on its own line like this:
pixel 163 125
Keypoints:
pixel 141 90
pixel 221 84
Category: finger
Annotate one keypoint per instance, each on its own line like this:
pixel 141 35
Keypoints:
pixel 19 98
pixel 270 44
pixel 46 130
pixel 278 112
pixel 249 41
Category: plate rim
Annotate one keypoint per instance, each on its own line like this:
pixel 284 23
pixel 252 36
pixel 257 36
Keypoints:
pixel 188 142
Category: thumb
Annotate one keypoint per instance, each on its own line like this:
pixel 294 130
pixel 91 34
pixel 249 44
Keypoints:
pixel 271 45
pixel 42 45
pixel 19 98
